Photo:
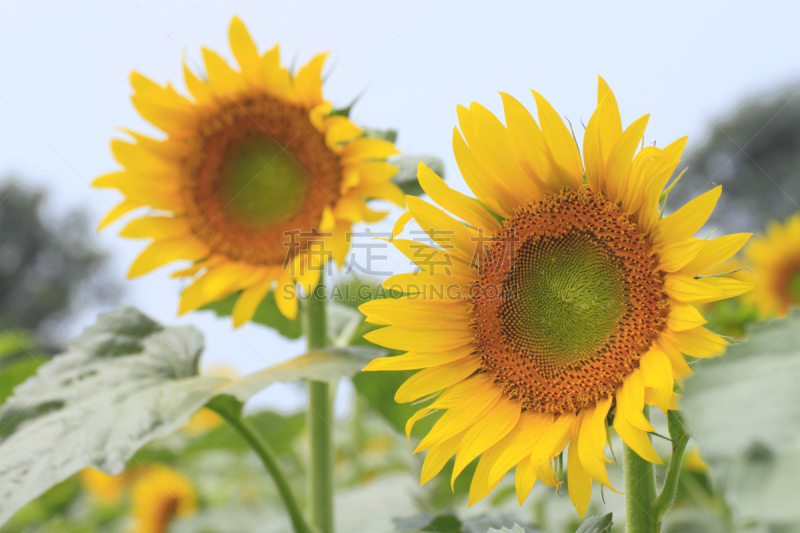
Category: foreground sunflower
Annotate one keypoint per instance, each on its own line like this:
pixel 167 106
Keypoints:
pixel 557 299
pixel 774 259
pixel 257 181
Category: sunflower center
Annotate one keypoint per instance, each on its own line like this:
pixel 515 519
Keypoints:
pixel 259 176
pixel 260 184
pixel 579 301
pixel 565 296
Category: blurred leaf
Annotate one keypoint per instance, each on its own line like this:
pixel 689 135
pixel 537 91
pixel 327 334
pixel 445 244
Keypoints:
pixel 750 394
pixel 267 314
pixel 406 178
pixel 15 342
pixel 386 135
pixel 744 410
pixel 451 523
pixel 596 524
pixel 694 520
pixel 516 529
pixel 124 382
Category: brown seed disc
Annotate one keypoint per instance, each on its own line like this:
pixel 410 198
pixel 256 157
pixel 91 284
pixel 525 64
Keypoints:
pixel 568 299
pixel 258 179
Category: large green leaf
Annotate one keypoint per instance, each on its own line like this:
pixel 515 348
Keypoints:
pixel 124 382
pixel 750 394
pixel 744 410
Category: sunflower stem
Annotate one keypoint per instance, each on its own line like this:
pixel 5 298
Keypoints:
pixel 640 490
pixel 268 457
pixel 680 437
pixel 319 419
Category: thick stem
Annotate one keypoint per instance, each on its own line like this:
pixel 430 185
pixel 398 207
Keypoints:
pixel 640 491
pixel 267 455
pixel 319 420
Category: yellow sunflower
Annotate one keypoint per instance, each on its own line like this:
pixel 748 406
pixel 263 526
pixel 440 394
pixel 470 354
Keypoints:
pixel 775 262
pixel 556 298
pixel 159 494
pixel 257 180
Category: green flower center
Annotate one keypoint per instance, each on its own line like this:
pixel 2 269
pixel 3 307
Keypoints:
pixel 563 298
pixel 260 184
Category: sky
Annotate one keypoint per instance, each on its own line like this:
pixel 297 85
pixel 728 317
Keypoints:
pixel 64 91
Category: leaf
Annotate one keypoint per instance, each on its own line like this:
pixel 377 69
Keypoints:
pixel 516 529
pixel 750 394
pixel 386 135
pixel 451 523
pixel 124 382
pixel 406 178
pixel 743 408
pixel 596 524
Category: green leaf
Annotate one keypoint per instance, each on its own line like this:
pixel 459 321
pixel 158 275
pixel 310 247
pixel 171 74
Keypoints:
pixel 124 382
pixel 267 314
pixel 743 408
pixel 748 395
pixel 386 135
pixel 406 178
pixel 596 524
pixel 516 529
pixel 451 523
pixel 279 430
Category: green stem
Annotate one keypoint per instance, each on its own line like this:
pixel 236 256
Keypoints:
pixel 319 420
pixel 267 455
pixel 640 491
pixel 680 437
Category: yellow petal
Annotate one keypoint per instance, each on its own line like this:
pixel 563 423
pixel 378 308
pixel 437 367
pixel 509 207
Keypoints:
pixel 715 252
pixel 703 290
pixel 462 206
pixel 476 178
pixel 591 441
pixel 552 443
pixel 308 81
pixel 524 479
pixel 367 148
pixel 676 255
pixel 413 311
pixel 481 486
pixel 249 300
pixel 495 425
pixel 687 220
pixel 411 340
pixel 620 160
pixel 657 374
pixel 699 342
pixel 159 253
pixel 527 141
pixel 520 441
pixel 579 480
pixel 119 210
pixel 462 416
pixel 684 316
pixel 286 295
pixel 430 380
pixel 244 50
pixel 223 80
pixel 444 230
pixel 561 146
pixel 680 368
pixel 609 121
pixel 414 361
pixel 630 401
pixel 637 439
pixel 438 456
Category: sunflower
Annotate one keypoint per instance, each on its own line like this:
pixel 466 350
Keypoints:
pixel 104 488
pixel 775 261
pixel 257 181
pixel 159 494
pixel 560 298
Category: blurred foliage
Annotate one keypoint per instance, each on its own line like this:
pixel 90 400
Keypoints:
pixel 19 359
pixel 755 155
pixel 46 266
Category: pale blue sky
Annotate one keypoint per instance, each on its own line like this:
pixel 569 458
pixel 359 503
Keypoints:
pixel 64 86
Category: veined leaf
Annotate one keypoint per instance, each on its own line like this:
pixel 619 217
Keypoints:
pixel 124 382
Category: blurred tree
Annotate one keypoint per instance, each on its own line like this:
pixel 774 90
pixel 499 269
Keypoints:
pixel 45 267
pixel 755 155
